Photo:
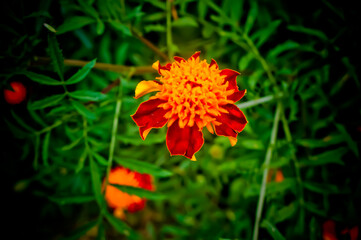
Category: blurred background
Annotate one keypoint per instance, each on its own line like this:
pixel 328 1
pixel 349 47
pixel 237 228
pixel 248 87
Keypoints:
pixel 74 65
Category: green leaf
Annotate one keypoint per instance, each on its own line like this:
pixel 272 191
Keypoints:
pixel 318 143
pixel 252 144
pixel 96 183
pixel 101 160
pixel 322 188
pixel 72 144
pixel 143 167
pixel 45 149
pixel 72 199
pixel 263 34
pixel 21 122
pixel 82 110
pixel 308 31
pixel 140 192
pixel 56 56
pixel 154 28
pixel 313 208
pixel 73 23
pixel 81 74
pixel 272 230
pixel 333 156
pixel 137 141
pixel 252 16
pixel 47 102
pixel 351 143
pixel 121 27
pixel 50 28
pixel 39 78
pixel 286 212
pixel 185 22
pixel 280 187
pixel 288 45
pixel 120 226
pixel 87 95
pixel 36 117
pixel 81 231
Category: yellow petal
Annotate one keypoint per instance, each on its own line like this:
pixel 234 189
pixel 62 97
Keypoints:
pixel 145 133
pixel 156 65
pixel 232 140
pixel 145 87
pixel 210 128
pixel 193 158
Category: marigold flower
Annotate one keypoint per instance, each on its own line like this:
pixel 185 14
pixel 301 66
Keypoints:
pixel 190 95
pixel 123 201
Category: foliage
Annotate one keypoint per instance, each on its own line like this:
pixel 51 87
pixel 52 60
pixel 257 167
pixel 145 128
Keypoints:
pixel 81 60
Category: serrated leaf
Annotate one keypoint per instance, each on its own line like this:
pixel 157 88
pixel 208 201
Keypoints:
pixel 143 167
pixel 81 73
pixel 185 22
pixel 43 79
pixel 140 192
pixel 45 152
pixel 82 110
pixel 73 23
pixel 272 230
pixel 87 95
pixel 56 56
pixel 72 199
pixel 308 31
pixel 47 102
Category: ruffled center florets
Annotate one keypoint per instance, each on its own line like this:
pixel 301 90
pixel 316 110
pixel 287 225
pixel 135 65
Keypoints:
pixel 195 92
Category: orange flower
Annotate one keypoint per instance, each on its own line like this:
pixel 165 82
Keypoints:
pixel 123 201
pixel 190 95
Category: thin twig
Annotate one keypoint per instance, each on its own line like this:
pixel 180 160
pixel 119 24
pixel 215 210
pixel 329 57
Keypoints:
pixel 267 161
pixel 101 66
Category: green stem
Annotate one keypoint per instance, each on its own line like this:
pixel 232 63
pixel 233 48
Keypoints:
pixel 256 102
pixel 169 29
pixel 267 161
pixel 297 167
pixel 114 132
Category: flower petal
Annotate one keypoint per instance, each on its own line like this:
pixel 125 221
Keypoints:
pixel 149 115
pixel 195 55
pixel 231 78
pixel 232 122
pixel 213 62
pixel 179 59
pixel 145 87
pixel 184 141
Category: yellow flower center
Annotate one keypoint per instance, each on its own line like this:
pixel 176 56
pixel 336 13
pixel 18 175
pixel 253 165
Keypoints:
pixel 195 93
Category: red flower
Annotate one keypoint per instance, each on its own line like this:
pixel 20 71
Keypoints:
pixel 123 201
pixel 17 95
pixel 191 95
